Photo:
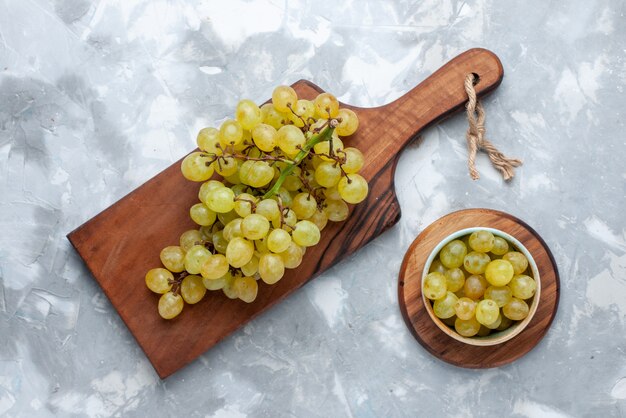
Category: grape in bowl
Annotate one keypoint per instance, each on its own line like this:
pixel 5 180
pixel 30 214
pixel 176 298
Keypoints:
pixel 481 286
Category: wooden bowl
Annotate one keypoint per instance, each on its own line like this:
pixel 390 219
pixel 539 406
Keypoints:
pixel 500 336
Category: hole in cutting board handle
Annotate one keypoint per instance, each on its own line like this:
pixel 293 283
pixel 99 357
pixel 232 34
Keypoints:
pixel 476 79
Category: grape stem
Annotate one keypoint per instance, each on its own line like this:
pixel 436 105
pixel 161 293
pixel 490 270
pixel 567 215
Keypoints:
pixel 177 282
pixel 324 135
pixel 252 203
pixel 229 153
pixel 305 125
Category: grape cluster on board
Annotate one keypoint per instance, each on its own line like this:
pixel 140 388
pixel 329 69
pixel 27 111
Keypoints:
pixel 284 172
pixel 479 283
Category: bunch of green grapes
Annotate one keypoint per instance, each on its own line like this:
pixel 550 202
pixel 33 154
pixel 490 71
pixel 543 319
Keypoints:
pixel 479 283
pixel 282 172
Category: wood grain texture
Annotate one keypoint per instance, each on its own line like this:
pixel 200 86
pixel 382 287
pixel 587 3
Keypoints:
pixel 436 341
pixel 121 243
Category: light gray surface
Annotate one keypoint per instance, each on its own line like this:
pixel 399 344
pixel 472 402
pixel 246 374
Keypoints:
pixel 95 98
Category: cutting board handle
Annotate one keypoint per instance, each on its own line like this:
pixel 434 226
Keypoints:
pixel 438 96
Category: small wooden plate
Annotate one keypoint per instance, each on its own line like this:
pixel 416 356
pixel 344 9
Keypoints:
pixel 423 327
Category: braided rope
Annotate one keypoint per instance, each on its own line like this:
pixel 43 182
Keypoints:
pixel 476 137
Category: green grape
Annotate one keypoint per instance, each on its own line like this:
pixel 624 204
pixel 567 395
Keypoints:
pixel 219 242
pixel 246 288
pixel 239 252
pixel 217 227
pixel 499 272
pixel 190 238
pixel 336 210
pixel 303 110
pixel 465 308
pixel 437 265
pixel 435 286
pixel 308 174
pixel 158 280
pixel 221 200
pixel 206 187
pixel 271 268
pixel 229 288
pixel 244 171
pixel 248 114
pixel 252 267
pixel 216 284
pixel 195 258
pixel 290 139
pixel 516 309
pixel 278 240
pixel 455 279
pixel 475 262
pixel 170 305
pixel 243 207
pixel 238 188
pixel 354 160
pixel 306 234
pixel 523 287
pixel 326 106
pixel 226 166
pixel 206 232
pixel 268 208
pixel 319 218
pixel 264 137
pixel 487 311
pixel 353 188
pixel 214 267
pixel 289 221
pixel 233 229
pixel 475 286
pixel 261 246
pixel 452 254
pixel 481 241
pixel 194 167
pixel 255 226
pixel 208 140
pixel 227 217
pixel 327 174
pixel 517 260
pixel 349 122
pixel 284 97
pixel 259 175
pixel 304 205
pixel 273 117
pixel 467 328
pixel 444 307
pixel 254 152
pixel 285 197
pixel 202 215
pixel 313 162
pixel 332 193
pixel 499 294
pixel 192 290
pixel 173 258
pixel 505 323
pixel 495 324
pixel 323 149
pixel 483 331
pixel 500 246
pixel 231 133
pixel 292 182
pixel 292 256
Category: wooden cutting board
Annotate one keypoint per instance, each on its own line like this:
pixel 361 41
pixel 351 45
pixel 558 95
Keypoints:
pixel 123 242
